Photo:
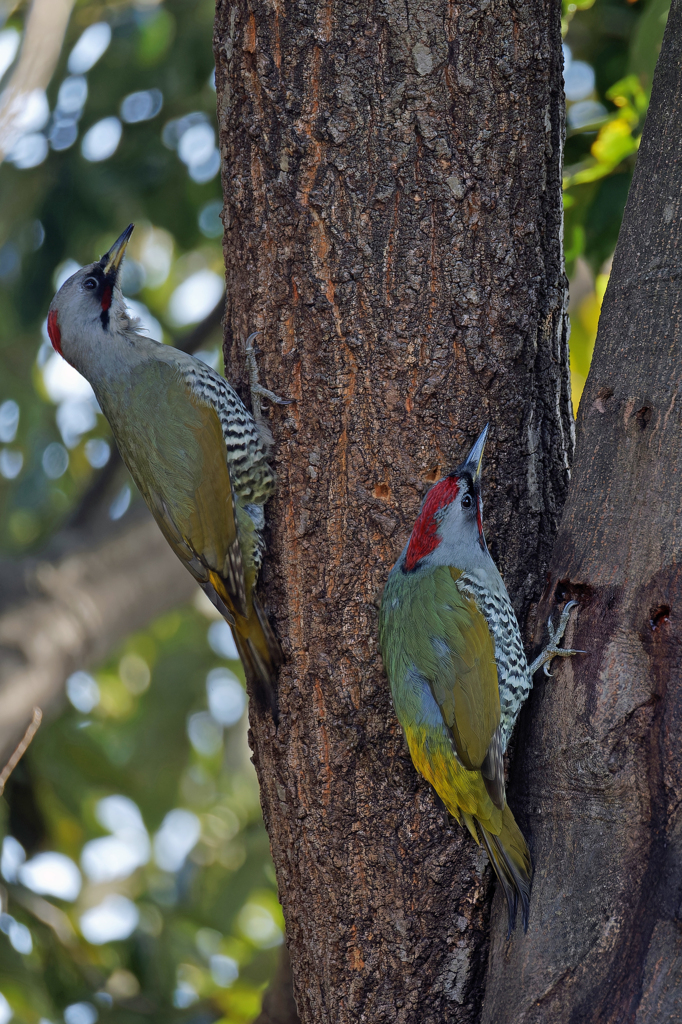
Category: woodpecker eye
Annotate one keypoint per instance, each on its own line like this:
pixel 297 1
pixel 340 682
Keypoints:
pixel 467 501
pixel 90 283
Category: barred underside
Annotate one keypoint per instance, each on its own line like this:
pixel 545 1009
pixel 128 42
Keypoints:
pixel 512 666
pixel 252 477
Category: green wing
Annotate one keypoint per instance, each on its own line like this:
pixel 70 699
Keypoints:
pixel 445 636
pixel 466 685
pixel 179 463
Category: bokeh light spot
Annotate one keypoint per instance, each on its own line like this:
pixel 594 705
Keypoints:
pixel 83 692
pixel 32 111
pixel 195 297
pixel 115 918
pixel 101 141
pixel 20 938
pixel 51 874
pixel 209 220
pixel 259 926
pixel 224 970
pixel 5 1010
pixel 134 671
pixel 75 418
pixel 73 92
pixel 97 452
pixel 205 734
pixel 121 503
pixel 141 106
pixel 578 80
pixel 63 133
pixel 586 112
pixel 221 641
pixel 89 48
pixel 80 1013
pixel 29 151
pixel 179 832
pixel 11 463
pixel 226 696
pixel 55 461
pixel 13 856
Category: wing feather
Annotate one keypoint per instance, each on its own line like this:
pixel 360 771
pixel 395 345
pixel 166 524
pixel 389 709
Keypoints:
pixel 450 642
pixel 180 466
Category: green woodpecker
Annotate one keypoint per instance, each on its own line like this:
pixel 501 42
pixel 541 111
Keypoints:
pixel 453 654
pixel 196 454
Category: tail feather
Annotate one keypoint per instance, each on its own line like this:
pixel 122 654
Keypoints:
pixel 259 649
pixel 510 858
pixel 261 655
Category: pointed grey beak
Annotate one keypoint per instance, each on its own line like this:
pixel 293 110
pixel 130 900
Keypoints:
pixel 111 261
pixel 474 459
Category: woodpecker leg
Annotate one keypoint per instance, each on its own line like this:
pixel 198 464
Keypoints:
pixel 257 389
pixel 552 650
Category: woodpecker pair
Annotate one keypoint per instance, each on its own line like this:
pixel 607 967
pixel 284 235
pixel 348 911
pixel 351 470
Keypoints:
pixel 198 457
pixel 449 636
pixel 454 657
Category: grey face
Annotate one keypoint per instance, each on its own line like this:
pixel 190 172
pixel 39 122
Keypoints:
pixel 89 306
pixel 460 522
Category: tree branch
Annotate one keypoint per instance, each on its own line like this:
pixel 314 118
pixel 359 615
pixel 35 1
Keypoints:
pixel 82 606
pixel 45 28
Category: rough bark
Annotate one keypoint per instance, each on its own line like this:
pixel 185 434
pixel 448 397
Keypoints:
pixel 393 227
pixel 600 777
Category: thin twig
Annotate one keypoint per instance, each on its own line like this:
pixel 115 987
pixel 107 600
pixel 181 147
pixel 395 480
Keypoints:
pixel 21 749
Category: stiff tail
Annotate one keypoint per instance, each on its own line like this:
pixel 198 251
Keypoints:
pixel 261 655
pixel 510 858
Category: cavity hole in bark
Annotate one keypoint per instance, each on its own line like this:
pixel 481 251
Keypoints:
pixel 567 591
pixel 659 616
pixel 643 416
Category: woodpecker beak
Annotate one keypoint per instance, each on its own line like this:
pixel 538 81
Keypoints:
pixel 474 459
pixel 111 261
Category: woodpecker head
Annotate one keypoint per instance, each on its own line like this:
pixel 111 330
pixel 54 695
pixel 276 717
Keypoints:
pixel 89 306
pixel 449 529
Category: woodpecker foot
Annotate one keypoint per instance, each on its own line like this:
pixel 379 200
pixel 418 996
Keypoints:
pixel 257 389
pixel 552 650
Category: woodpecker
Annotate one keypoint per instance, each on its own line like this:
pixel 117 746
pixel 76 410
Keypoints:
pixel 198 457
pixel 454 657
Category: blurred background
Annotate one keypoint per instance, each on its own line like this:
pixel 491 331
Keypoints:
pixel 136 879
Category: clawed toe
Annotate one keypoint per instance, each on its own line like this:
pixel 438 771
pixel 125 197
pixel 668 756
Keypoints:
pixel 552 650
pixel 257 389
pixel 270 396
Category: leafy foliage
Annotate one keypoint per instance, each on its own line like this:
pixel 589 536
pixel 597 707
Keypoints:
pixel 620 40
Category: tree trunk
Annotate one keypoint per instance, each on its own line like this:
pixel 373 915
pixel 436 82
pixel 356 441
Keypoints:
pixel 600 776
pixel 393 228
